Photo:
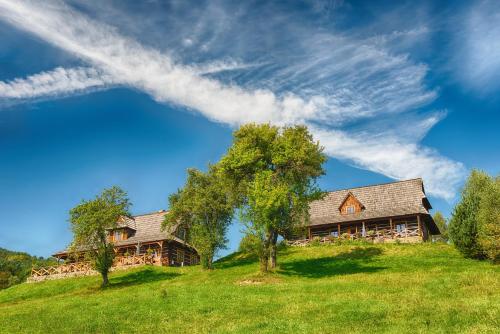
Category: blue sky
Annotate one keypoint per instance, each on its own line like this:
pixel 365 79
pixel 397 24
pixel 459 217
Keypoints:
pixel 94 94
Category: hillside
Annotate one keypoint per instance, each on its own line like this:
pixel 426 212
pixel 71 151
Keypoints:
pixel 345 289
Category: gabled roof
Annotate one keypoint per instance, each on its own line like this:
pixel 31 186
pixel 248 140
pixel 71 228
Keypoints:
pixel 350 194
pixel 147 228
pixel 125 222
pixel 380 201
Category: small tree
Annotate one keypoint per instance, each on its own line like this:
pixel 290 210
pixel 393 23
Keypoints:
pixel 442 224
pixel 464 224
pixel 204 208
pixel 90 221
pixel 489 221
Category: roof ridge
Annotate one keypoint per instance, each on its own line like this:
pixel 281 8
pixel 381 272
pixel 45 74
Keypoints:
pixel 151 213
pixel 376 184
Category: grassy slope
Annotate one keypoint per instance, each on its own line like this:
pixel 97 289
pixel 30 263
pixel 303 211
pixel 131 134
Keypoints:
pixel 345 289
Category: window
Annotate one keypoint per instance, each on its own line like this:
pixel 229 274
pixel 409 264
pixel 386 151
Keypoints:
pixel 181 233
pixel 118 235
pixel 335 234
pixel 350 209
pixel 400 227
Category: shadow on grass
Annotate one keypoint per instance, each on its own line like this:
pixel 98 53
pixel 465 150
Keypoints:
pixel 355 261
pixel 147 275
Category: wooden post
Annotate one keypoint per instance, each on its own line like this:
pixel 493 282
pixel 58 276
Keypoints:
pixel 338 227
pixel 392 228
pixel 309 233
pixel 420 228
pixel 364 230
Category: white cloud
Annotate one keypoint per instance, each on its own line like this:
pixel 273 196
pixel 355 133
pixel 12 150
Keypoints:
pixel 335 80
pixel 399 160
pixel 60 81
pixel 477 47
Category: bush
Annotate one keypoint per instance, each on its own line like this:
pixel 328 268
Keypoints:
pixel 489 221
pixel 465 223
pixel 250 244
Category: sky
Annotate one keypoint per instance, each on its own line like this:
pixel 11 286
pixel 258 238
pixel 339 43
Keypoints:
pixel 129 93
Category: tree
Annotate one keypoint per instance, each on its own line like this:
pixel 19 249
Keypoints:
pixel 442 224
pixel 464 224
pixel 205 209
pixel 272 172
pixel 489 221
pixel 90 221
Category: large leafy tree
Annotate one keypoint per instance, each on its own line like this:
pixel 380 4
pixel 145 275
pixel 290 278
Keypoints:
pixel 90 221
pixel 272 172
pixel 464 224
pixel 203 206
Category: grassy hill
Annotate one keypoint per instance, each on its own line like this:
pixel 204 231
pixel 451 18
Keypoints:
pixel 322 289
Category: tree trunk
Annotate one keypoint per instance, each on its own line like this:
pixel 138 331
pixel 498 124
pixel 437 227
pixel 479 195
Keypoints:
pixel 264 259
pixel 264 256
pixel 272 251
pixel 105 280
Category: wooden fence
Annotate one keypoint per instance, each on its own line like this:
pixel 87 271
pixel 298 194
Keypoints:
pixel 411 234
pixel 80 267
pixel 85 267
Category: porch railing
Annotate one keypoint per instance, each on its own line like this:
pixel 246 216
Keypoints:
pixel 85 267
pixel 378 235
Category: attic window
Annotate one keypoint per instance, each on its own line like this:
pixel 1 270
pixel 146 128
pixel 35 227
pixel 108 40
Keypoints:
pixel 350 209
pixel 118 235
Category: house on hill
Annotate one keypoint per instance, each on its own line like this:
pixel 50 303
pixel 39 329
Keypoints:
pixel 383 212
pixel 142 235
pixel 137 240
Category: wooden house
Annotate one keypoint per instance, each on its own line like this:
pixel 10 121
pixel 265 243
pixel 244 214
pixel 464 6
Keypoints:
pixel 137 240
pixel 383 212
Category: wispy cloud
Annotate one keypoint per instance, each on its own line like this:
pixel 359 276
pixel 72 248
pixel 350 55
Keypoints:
pixel 58 82
pixel 329 81
pixel 477 47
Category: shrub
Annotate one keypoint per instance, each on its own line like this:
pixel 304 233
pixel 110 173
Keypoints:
pixel 316 241
pixel 464 225
pixel 489 221
pixel 249 244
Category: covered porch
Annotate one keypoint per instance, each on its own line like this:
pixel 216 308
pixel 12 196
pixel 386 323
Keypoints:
pixel 408 229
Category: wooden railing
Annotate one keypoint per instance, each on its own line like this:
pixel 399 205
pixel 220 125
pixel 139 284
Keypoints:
pixel 378 235
pixel 62 269
pixel 85 267
pixel 134 260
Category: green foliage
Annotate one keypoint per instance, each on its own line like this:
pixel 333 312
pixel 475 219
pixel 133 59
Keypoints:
pixel 489 221
pixel 90 220
pixel 251 244
pixel 15 267
pixel 464 224
pixel 204 207
pixel 442 224
pixel 272 172
pixel 425 288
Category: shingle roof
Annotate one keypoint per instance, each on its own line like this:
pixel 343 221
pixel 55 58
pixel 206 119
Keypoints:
pixel 148 228
pixel 379 201
pixel 128 222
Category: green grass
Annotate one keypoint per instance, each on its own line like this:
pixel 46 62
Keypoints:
pixel 323 289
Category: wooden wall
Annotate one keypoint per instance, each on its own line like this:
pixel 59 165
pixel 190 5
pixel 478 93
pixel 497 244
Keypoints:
pixel 350 201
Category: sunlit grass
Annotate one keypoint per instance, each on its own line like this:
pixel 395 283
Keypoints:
pixel 324 289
